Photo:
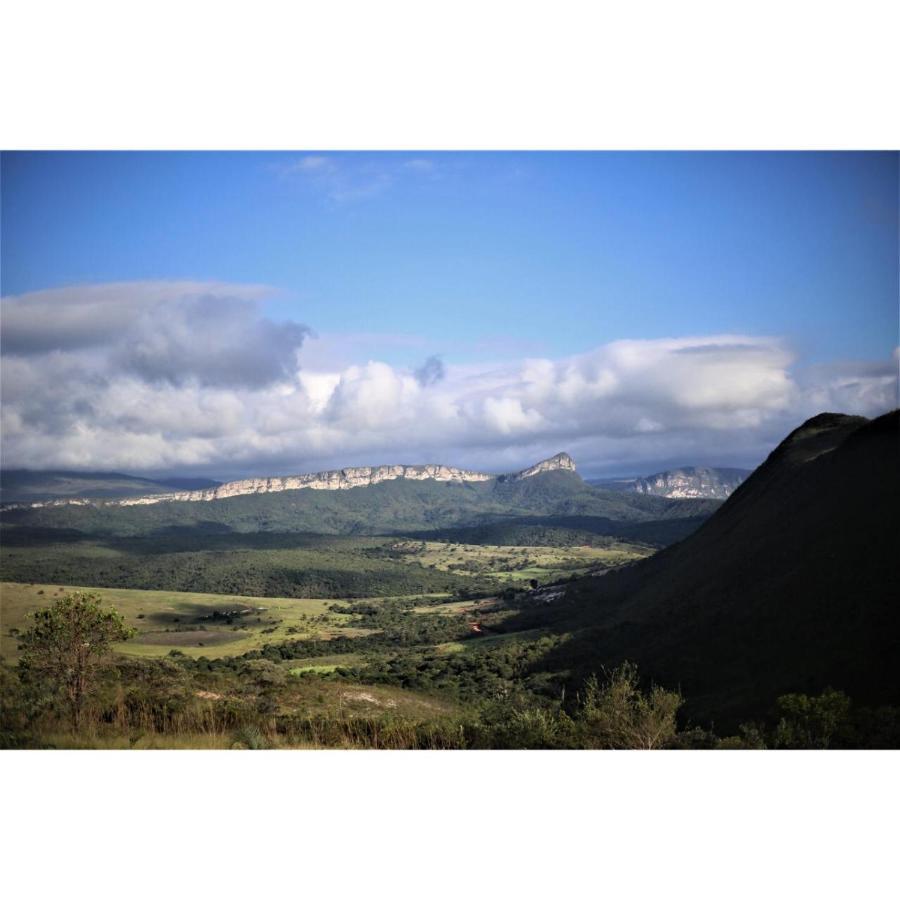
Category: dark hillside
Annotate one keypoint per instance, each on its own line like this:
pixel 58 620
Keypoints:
pixel 793 585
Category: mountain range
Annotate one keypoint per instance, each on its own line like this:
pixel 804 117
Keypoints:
pixel 331 480
pixel 59 487
pixel 379 500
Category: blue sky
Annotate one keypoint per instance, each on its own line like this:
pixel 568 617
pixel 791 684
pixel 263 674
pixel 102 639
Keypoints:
pixel 481 259
pixel 558 251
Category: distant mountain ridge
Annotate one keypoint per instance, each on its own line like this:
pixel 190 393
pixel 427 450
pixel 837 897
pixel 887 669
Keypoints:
pixel 692 482
pixel 28 486
pixel 382 501
pixel 330 480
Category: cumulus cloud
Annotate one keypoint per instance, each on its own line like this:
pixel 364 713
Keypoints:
pixel 94 314
pixel 172 332
pixel 212 339
pixel 864 386
pixel 194 377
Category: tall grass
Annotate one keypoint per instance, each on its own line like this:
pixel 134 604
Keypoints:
pixel 131 722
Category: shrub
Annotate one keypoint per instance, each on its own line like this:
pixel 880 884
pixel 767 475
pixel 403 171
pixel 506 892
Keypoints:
pixel 811 722
pixel 617 715
pixel 249 737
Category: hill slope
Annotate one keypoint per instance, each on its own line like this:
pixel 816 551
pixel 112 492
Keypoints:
pixel 792 585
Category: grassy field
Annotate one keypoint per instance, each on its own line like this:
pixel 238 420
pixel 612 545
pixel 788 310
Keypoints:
pixel 512 564
pixel 422 664
pixel 209 625
pixel 451 607
pixel 220 624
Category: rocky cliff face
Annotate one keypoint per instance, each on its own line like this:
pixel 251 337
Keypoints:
pixel 562 462
pixel 332 480
pixel 691 482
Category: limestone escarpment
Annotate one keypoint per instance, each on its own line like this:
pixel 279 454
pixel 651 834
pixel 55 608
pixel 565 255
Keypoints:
pixel 691 482
pixel 331 480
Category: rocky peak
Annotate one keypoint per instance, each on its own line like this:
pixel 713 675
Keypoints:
pixel 562 462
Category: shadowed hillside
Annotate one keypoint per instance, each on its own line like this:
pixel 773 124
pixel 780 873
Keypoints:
pixel 792 585
pixel 25 486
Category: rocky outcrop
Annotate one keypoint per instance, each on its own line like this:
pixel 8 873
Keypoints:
pixel 562 462
pixel 332 480
pixel 691 482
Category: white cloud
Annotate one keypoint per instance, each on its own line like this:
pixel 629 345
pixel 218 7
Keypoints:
pixel 169 331
pixel 347 178
pixel 94 314
pixel 313 164
pixel 507 416
pixel 156 376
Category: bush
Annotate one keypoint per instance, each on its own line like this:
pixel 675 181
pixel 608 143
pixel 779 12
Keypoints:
pixel 811 722
pixel 507 726
pixel 617 715
pixel 751 737
pixel 249 737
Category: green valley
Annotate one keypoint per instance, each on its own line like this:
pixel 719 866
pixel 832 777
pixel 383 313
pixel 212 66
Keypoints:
pixel 535 611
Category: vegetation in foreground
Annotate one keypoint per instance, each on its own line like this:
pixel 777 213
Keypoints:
pixel 418 694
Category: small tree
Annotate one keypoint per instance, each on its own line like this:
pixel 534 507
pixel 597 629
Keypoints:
pixel 811 722
pixel 67 643
pixel 617 715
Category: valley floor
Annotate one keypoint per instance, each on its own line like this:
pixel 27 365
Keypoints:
pixel 273 565
pixel 299 641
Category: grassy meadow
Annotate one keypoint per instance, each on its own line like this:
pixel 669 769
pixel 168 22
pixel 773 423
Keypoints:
pixel 211 625
pixel 517 563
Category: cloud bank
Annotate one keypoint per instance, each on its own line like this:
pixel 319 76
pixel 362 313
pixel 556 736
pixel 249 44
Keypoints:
pixel 164 376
